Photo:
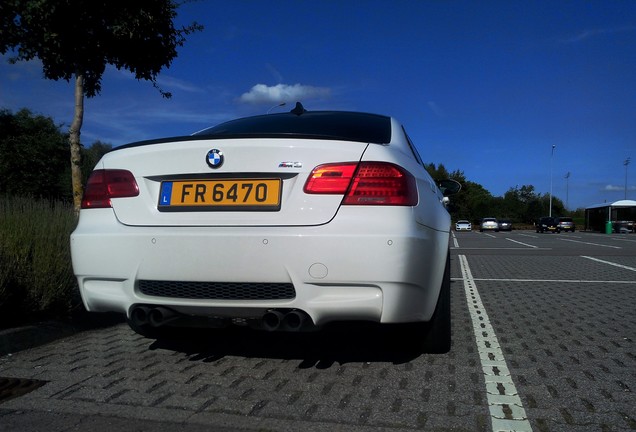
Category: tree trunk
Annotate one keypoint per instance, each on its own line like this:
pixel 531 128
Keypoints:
pixel 75 145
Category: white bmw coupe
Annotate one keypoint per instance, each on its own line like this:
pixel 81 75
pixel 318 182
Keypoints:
pixel 283 222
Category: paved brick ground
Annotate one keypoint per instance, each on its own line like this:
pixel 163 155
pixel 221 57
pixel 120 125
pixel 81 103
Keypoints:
pixel 347 381
pixel 569 347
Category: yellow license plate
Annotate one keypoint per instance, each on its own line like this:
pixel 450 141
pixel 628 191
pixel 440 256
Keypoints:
pixel 225 194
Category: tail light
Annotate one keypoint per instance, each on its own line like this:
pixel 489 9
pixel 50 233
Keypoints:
pixel 106 184
pixel 366 183
pixel 331 178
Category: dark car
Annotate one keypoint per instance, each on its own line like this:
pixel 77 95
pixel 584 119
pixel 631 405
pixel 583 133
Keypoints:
pixel 547 224
pixel 565 224
pixel 624 227
pixel 505 225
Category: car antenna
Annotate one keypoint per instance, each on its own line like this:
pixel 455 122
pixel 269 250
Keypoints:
pixel 299 109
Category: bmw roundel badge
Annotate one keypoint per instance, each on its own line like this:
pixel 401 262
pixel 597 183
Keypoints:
pixel 214 158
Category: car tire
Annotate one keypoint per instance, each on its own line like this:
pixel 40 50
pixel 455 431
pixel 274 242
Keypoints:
pixel 434 336
pixel 437 332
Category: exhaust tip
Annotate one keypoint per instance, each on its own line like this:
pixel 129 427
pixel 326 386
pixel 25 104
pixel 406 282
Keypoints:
pixel 140 315
pixel 159 316
pixel 272 319
pixel 294 320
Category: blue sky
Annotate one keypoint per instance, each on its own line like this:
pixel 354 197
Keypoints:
pixel 484 87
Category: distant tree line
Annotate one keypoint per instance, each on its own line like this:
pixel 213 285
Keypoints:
pixel 519 204
pixel 34 161
pixel 35 157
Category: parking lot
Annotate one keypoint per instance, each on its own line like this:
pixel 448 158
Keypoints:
pixel 543 339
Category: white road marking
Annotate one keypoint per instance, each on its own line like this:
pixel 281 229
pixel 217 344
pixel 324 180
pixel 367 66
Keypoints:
pixel 592 244
pixel 499 248
pixel 523 244
pixel 506 409
pixel 528 235
pixel 455 242
pixel 609 263
pixel 561 281
pixel 623 239
pixel 490 235
pixel 597 235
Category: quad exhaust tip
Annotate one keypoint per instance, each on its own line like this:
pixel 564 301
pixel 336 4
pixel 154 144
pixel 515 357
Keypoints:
pixel 273 320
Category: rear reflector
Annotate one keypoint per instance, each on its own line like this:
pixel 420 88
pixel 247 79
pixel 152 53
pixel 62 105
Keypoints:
pixel 367 183
pixel 106 184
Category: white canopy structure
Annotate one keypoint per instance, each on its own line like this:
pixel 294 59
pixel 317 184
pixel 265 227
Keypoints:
pixel 620 214
pixel 616 204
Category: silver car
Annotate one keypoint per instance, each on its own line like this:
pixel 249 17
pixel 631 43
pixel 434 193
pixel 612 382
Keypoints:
pixel 565 224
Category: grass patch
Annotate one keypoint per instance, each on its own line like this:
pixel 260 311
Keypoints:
pixel 36 276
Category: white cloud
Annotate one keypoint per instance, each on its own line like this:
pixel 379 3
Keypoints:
pixel 275 73
pixel 435 108
pixel 24 69
pixel 614 188
pixel 588 34
pixel 168 82
pixel 262 94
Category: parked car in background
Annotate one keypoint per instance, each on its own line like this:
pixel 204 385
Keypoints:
pixel 489 224
pixel 505 225
pixel 624 227
pixel 547 224
pixel 565 224
pixel 279 222
pixel 463 225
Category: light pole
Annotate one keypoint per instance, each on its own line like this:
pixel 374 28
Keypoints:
pixel 551 157
pixel 567 190
pixel 627 161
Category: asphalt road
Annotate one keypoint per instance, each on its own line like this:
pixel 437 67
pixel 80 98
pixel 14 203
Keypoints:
pixel 543 339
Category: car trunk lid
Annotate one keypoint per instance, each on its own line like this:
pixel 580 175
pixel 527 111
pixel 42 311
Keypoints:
pixel 228 182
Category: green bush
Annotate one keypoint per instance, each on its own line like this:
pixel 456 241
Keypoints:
pixel 36 276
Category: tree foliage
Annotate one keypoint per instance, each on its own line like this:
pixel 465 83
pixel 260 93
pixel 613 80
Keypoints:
pixel 77 39
pixel 474 202
pixel 34 157
pixel 82 37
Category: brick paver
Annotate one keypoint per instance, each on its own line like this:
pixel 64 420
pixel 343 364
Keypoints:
pixel 568 344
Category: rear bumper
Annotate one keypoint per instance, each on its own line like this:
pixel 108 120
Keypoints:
pixel 339 271
pixel 548 229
